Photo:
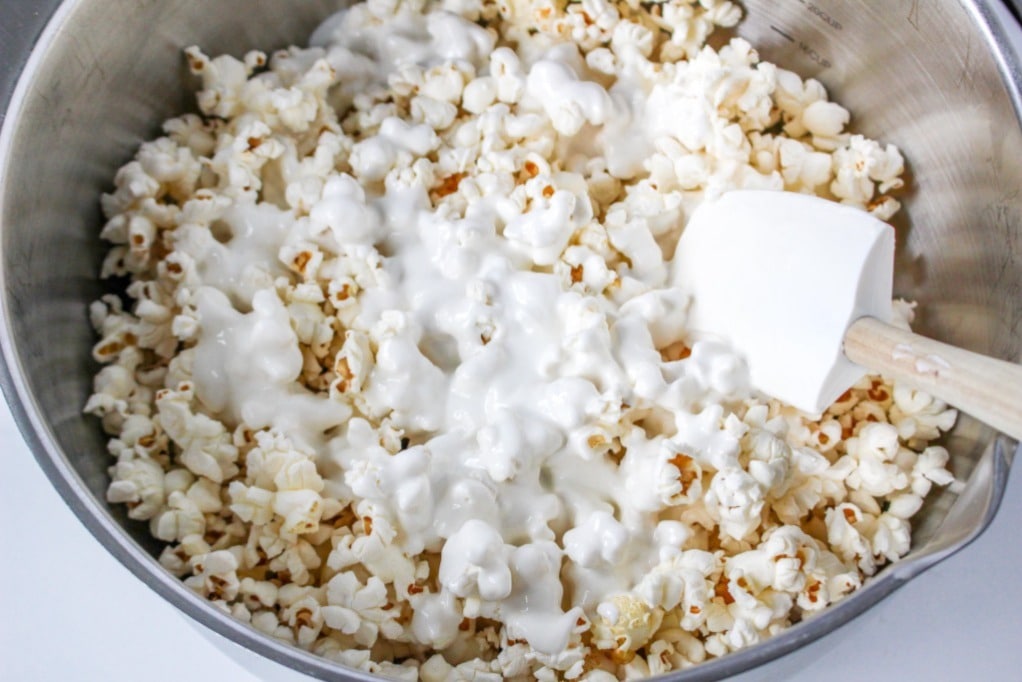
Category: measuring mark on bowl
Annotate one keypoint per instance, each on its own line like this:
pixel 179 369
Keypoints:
pixel 784 35
pixel 807 49
pixel 822 14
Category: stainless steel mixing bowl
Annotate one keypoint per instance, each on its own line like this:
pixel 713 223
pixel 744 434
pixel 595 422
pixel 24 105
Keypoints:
pixel 937 78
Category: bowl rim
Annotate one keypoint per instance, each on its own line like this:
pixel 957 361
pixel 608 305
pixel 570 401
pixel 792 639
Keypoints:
pixel 96 518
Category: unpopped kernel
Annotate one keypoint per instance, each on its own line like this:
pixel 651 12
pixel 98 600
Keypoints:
pixel 400 377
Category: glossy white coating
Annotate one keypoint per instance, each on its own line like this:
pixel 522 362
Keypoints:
pixel 495 372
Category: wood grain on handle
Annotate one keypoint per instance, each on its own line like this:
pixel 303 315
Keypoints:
pixel 990 390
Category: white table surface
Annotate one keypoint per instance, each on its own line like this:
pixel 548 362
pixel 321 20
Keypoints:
pixel 69 611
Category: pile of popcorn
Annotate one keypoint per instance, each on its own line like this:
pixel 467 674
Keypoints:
pixel 400 377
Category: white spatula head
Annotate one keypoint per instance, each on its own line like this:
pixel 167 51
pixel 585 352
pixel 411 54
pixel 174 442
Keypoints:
pixel 780 276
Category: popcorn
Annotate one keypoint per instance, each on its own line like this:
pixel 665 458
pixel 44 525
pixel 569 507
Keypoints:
pixel 569 101
pixel 803 167
pixel 181 518
pixel 281 481
pixel 137 483
pixel 133 185
pixel 736 499
pixel 469 671
pixel 479 94
pixel 601 539
pixel 930 467
pixel 507 70
pixel 400 377
pixel 300 509
pixel 891 536
pixel 682 583
pixel 192 132
pixel 918 415
pixel 343 210
pixel 258 594
pixel 359 610
pixel 844 535
pixel 476 563
pixel 875 446
pixel 625 625
pixel 544 231
pixel 631 39
pixel 862 168
pixel 305 617
pixel 824 120
pixel 204 442
pixel 214 575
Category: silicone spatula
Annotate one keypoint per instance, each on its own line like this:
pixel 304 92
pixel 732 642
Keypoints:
pixel 801 288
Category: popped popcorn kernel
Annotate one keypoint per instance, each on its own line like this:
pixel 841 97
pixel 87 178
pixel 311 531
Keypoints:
pixel 625 624
pixel 400 376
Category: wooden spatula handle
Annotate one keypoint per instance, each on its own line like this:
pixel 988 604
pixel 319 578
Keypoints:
pixel 990 390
